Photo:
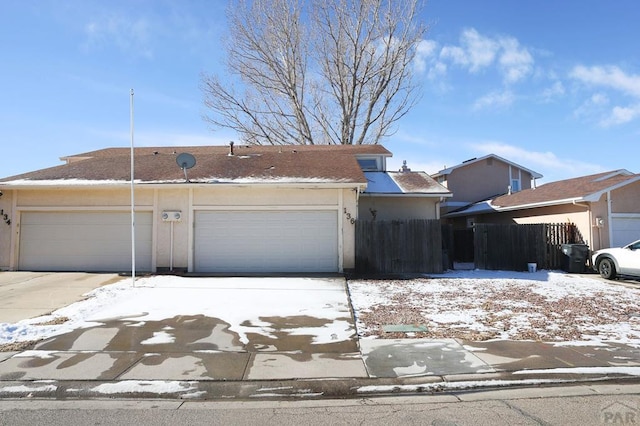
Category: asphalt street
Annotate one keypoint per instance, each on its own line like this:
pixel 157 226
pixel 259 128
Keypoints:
pixel 575 405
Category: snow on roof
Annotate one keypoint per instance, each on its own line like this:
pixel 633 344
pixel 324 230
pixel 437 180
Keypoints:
pixel 381 183
pixel 211 180
pixel 397 183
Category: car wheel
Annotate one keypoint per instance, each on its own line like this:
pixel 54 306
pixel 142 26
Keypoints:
pixel 607 269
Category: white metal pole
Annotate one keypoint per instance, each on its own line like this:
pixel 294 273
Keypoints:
pixel 133 204
pixel 171 249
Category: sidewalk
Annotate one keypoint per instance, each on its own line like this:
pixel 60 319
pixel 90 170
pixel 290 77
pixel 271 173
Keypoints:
pixel 129 358
pixel 384 367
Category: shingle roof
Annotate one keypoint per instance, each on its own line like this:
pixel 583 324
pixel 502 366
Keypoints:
pixel 569 189
pixel 393 183
pixel 581 189
pixel 325 163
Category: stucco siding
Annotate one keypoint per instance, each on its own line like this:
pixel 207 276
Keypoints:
pixel 349 200
pixel 83 196
pixel 172 244
pixel 263 196
pixel 172 200
pixel 395 208
pixel 484 179
pixel 6 230
pixel 552 214
pixel 626 199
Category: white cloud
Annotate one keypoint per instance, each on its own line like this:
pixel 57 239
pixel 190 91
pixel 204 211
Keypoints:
pixel 477 52
pixel 439 69
pixel 554 91
pixel 494 100
pixel 599 99
pixel 608 76
pixel 546 163
pixel 516 62
pixel 592 107
pixel 424 51
pixel 129 35
pixel 621 115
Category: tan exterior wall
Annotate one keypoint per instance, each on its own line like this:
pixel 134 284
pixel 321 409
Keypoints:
pixel 599 235
pixel 579 215
pixel 484 179
pixel 185 199
pixel 626 199
pixel 394 208
pixel 85 197
pixel 6 231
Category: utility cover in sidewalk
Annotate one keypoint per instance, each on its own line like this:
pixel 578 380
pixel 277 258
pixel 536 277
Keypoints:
pixel 403 328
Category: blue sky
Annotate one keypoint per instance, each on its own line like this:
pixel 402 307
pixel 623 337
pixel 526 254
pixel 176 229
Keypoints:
pixel 551 85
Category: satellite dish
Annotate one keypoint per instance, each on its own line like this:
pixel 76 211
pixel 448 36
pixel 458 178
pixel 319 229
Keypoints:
pixel 186 161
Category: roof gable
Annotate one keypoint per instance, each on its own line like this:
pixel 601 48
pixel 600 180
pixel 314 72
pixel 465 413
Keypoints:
pixel 581 189
pixel 467 163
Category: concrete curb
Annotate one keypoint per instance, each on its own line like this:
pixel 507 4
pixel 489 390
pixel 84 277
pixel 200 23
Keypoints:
pixel 308 389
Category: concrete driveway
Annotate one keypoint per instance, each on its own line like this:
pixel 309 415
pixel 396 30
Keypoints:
pixel 130 347
pixel 192 328
pixel 25 295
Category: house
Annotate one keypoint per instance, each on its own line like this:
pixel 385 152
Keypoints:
pixel 400 195
pixel 605 207
pixel 207 209
pixel 482 178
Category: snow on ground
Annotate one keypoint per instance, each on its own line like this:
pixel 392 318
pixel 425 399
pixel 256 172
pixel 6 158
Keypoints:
pixel 246 304
pixel 475 305
pixel 482 305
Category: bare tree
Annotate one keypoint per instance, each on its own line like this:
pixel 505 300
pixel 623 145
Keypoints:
pixel 316 72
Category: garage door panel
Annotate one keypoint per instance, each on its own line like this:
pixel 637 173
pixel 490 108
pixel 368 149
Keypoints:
pixel 266 241
pixel 625 230
pixel 83 241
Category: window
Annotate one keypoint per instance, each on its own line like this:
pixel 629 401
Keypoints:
pixel 515 185
pixel 368 164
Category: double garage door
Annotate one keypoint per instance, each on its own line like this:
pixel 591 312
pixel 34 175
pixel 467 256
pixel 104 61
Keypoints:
pixel 266 241
pixel 224 241
pixel 83 241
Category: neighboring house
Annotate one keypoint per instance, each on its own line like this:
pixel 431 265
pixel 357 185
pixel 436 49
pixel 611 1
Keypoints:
pixel 240 209
pixel 483 178
pixel 605 207
pixel 401 195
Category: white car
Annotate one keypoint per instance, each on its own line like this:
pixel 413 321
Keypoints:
pixel 611 262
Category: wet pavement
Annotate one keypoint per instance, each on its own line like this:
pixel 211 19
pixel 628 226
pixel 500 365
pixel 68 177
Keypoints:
pixel 195 356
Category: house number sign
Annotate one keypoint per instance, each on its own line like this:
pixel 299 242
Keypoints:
pixel 349 217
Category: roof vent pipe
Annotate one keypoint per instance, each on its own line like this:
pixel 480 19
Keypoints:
pixel 231 148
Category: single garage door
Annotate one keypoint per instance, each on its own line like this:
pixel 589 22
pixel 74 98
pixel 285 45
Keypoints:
pixel 625 230
pixel 83 241
pixel 266 241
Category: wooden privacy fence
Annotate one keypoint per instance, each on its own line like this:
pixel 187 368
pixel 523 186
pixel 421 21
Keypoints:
pixel 407 246
pixel 512 247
